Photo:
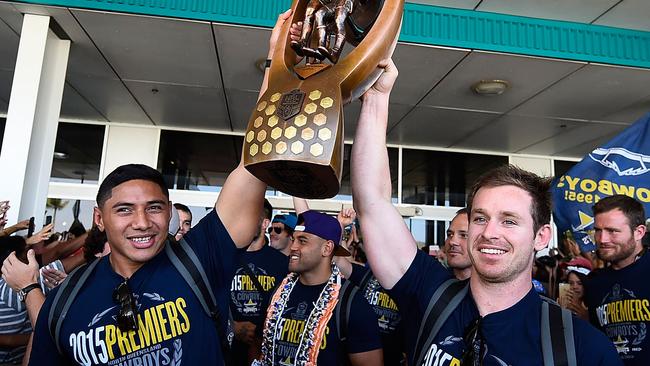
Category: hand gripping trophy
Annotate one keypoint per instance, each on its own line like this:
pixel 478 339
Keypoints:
pixel 294 140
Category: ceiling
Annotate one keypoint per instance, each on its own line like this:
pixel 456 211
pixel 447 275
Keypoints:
pixel 201 75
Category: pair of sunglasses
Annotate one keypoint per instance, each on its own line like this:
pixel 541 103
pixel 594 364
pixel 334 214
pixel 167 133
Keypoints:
pixel 277 230
pixel 127 317
pixel 473 337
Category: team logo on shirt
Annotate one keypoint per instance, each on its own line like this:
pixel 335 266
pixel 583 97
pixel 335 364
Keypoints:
pixel 384 306
pixel 245 295
pixel 623 317
pixel 107 344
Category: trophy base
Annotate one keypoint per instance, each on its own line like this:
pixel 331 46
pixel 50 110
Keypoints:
pixel 297 178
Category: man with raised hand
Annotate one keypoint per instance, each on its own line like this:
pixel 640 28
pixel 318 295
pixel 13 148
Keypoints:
pixel 497 320
pixel 618 297
pixel 140 304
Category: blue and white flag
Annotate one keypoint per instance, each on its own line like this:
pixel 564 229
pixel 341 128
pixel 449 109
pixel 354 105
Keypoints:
pixel 621 166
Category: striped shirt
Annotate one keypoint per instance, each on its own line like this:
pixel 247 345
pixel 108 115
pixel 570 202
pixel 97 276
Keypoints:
pixel 13 320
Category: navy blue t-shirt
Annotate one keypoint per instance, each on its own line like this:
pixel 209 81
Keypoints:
pixel 619 305
pixel 173 328
pixel 270 267
pixel 512 335
pixel 362 334
pixel 388 318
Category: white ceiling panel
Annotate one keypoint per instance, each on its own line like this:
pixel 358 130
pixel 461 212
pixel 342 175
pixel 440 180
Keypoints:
pixel 76 107
pixel 461 4
pixel 582 150
pixel 576 137
pixel 84 59
pixel 10 15
pixel 8 40
pixel 110 98
pixel 590 93
pixel 631 14
pixel 239 48
pixel 182 106
pixel 630 113
pixel 154 49
pixel 241 104
pixel 455 90
pixel 512 133
pixel 584 11
pixel 438 127
pixel 421 67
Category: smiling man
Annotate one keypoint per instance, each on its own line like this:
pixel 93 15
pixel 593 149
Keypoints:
pixel 135 307
pixel 301 327
pixel 497 321
pixel 618 297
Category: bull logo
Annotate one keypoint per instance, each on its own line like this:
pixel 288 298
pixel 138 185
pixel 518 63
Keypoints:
pixel 621 160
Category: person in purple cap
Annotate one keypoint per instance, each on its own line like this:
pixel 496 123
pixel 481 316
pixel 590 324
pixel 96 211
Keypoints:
pixel 300 327
pixel 281 232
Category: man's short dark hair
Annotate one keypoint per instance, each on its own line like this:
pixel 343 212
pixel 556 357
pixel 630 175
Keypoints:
pixel 127 173
pixel 462 211
pixel 631 208
pixel 268 210
pixel 509 175
pixel 182 207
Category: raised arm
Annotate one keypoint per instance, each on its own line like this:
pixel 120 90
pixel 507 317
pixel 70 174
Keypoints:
pixel 388 243
pixel 241 200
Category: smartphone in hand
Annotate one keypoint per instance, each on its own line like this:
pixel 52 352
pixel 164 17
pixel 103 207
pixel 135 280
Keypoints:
pixel 30 231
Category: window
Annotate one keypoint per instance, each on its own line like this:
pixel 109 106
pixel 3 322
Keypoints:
pixel 197 161
pixel 562 167
pixel 345 193
pixel 440 178
pixel 77 153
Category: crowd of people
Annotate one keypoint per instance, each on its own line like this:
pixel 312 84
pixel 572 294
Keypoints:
pixel 243 287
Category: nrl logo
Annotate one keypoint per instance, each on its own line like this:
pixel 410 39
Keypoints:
pixel 622 161
pixel 290 104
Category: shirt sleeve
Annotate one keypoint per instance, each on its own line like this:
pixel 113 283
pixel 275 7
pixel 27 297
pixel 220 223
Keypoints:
pixel 415 288
pixel 215 249
pixel 363 331
pixel 358 271
pixel 44 351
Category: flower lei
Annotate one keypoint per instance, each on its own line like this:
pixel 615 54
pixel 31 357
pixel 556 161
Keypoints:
pixel 312 335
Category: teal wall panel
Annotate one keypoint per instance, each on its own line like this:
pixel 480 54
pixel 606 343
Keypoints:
pixel 423 24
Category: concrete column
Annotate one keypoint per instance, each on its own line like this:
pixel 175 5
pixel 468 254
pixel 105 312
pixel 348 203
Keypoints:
pixel 126 145
pixel 32 118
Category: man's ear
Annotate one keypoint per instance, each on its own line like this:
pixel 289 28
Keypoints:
pixel 328 248
pixel 639 232
pixel 98 219
pixel 543 237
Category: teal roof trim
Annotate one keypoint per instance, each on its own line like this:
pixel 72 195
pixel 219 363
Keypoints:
pixel 423 24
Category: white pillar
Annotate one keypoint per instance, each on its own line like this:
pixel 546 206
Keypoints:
pixel 130 145
pixel 32 118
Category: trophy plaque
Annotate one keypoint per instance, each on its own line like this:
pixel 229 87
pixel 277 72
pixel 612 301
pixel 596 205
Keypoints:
pixel 294 140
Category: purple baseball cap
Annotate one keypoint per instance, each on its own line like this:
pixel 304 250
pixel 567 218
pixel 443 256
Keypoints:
pixel 324 226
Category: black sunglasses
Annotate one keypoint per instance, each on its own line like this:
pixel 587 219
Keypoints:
pixel 127 316
pixel 278 230
pixel 475 345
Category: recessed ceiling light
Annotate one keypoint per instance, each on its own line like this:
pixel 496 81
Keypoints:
pixel 490 87
pixel 60 155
